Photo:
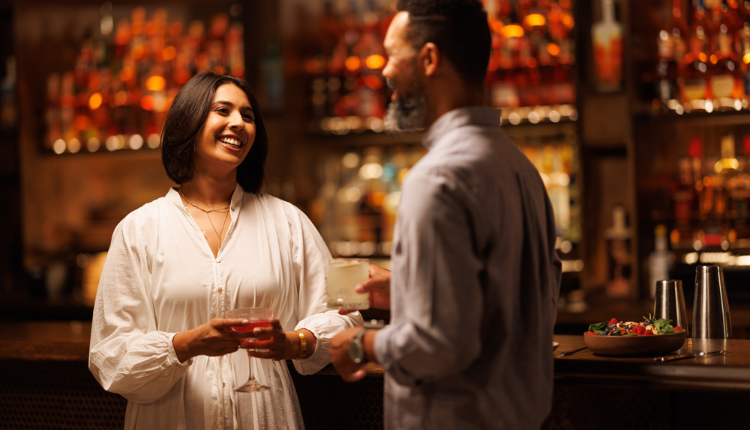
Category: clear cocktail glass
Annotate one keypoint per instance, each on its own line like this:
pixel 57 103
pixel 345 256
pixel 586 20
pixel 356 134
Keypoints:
pixel 258 317
pixel 342 276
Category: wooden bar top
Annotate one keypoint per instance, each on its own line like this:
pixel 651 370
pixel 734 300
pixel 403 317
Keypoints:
pixel 69 341
pixel 727 371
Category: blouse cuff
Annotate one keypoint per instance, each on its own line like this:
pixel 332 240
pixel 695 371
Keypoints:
pixel 315 333
pixel 172 356
pixel 318 359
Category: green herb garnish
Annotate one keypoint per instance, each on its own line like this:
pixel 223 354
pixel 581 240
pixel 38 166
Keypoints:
pixel 663 326
pixel 598 328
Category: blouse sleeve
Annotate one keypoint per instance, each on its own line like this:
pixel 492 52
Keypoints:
pixel 311 256
pixel 127 355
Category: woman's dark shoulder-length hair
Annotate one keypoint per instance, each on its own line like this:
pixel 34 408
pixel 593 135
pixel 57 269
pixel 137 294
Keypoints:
pixel 185 120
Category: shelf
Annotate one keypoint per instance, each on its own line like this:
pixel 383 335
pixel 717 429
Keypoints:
pixel 716 118
pixel 130 154
pixel 368 138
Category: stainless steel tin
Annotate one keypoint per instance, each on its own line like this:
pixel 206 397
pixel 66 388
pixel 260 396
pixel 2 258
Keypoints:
pixel 711 306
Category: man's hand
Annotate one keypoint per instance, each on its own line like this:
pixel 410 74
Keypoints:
pixel 379 287
pixel 339 350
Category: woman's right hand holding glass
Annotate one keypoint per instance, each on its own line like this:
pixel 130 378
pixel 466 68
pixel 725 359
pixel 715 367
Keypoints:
pixel 213 338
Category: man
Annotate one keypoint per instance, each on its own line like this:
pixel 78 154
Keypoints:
pixel 475 275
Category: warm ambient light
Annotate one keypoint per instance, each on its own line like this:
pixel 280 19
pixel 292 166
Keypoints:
pixel 512 30
pixel 95 101
pixel 126 73
pixel 352 63
pixel 534 20
pixel 375 61
pixel 168 53
pixel 155 83
pixel 373 82
pixel 553 49
pixel 81 122
pixel 497 26
pixel 147 102
pixel 137 52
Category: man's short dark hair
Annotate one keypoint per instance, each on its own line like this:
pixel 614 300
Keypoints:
pixel 186 119
pixel 458 28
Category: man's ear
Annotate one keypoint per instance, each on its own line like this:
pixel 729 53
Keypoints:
pixel 429 57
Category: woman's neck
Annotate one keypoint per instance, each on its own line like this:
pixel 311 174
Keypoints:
pixel 210 192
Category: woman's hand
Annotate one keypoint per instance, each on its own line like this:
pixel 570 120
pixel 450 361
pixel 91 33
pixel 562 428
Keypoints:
pixel 213 338
pixel 276 344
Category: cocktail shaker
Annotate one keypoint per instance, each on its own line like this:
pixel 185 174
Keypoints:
pixel 669 303
pixel 711 306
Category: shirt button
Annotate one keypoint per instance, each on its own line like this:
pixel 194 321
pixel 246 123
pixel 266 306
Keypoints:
pixel 220 290
pixel 218 260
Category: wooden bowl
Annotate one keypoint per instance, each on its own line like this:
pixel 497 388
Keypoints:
pixel 634 345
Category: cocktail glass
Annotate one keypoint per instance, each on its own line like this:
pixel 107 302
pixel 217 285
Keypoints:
pixel 341 278
pixel 258 317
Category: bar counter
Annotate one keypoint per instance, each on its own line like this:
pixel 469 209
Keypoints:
pixel 45 382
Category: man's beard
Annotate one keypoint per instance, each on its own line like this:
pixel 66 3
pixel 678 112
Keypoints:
pixel 407 113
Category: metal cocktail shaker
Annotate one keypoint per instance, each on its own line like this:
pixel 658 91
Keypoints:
pixel 711 307
pixel 669 303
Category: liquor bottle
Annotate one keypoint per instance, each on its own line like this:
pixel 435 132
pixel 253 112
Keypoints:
pixel 743 34
pixel 694 80
pixel 671 49
pixel 726 75
pixel 527 76
pixel 683 203
pixel 370 86
pixel 559 193
pixel 607 37
pixel 727 171
pixel 563 76
pixel 659 260
pixel 739 235
pixel 695 154
pixel 618 255
pixel 713 234
pixel 504 90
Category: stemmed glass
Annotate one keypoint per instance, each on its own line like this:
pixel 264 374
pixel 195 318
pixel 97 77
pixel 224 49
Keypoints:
pixel 258 317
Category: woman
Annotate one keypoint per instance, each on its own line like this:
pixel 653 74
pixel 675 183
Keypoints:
pixel 159 337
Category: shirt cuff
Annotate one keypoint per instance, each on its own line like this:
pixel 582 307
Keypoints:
pixel 173 360
pixel 381 347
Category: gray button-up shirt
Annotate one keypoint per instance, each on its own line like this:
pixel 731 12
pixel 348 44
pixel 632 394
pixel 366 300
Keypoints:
pixel 474 285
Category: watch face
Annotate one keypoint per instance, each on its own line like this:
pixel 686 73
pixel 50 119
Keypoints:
pixel 356 352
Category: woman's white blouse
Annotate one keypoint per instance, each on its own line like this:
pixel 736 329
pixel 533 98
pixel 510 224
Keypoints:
pixel 161 278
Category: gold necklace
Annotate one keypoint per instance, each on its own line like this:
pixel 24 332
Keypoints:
pixel 226 215
pixel 198 207
pixel 208 215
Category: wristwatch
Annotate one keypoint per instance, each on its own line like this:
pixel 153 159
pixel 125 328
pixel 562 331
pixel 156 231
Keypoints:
pixel 356 348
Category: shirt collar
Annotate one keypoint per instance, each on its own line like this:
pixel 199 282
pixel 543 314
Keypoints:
pixel 173 196
pixel 478 115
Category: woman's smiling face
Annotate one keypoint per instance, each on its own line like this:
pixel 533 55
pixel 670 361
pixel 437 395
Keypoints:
pixel 228 133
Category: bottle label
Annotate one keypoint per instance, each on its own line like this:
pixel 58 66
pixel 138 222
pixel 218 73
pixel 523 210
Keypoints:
pixel 722 85
pixel 679 49
pixel 504 94
pixel 694 89
pixel 666 47
pixel 725 43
